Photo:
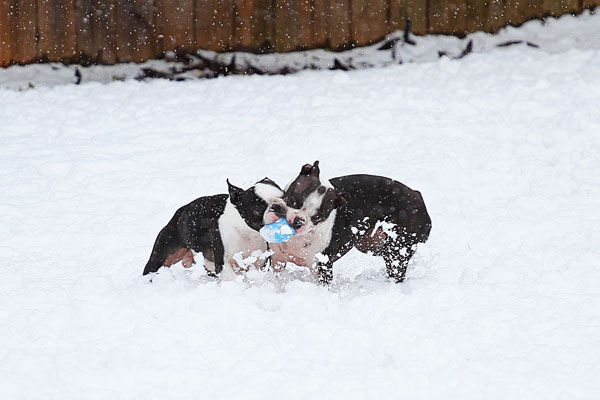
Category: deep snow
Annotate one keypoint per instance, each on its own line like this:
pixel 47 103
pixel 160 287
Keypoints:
pixel 502 302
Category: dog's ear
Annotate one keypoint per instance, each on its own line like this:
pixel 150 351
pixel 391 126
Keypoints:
pixel 269 181
pixel 342 198
pixel 235 192
pixel 305 170
pixel 315 169
pixel 308 169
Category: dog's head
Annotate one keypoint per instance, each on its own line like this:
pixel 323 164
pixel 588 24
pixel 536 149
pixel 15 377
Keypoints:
pixel 259 205
pixel 308 201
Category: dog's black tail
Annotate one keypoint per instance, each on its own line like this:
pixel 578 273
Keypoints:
pixel 167 242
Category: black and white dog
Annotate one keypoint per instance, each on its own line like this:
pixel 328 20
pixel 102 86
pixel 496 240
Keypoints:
pixel 224 228
pixel 375 214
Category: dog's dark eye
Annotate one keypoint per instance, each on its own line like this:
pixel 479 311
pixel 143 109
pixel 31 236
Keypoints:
pixel 291 201
pixel 277 208
pixel 259 212
pixel 316 219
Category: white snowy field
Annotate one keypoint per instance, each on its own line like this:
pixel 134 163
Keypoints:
pixel 502 302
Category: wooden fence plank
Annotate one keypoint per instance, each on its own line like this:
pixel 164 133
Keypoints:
pixel 104 21
pixel 8 26
pixel 319 23
pixel 225 23
pixel 418 13
pixel 292 25
pixel 369 21
pixel 590 3
pixel 85 36
pixel 304 22
pixel 56 29
pixel 496 17
pixel 26 32
pixel 518 11
pixel 559 7
pixel 215 25
pixel 285 32
pixel 448 17
pixel 488 16
pixel 65 29
pixel 47 43
pixel 246 24
pixel 266 15
pixel 359 22
pixel 478 13
pixel 177 25
pixel 254 25
pixel 144 30
pixel 338 24
pixel 398 15
pixel 201 22
pixel 125 28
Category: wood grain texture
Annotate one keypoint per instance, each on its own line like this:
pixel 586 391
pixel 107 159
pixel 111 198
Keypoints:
pixel 369 21
pixel 482 14
pixel 246 24
pixel 591 4
pixel 488 16
pixel 339 24
pixel 125 31
pixel 519 11
pixel 56 30
pixel 25 45
pixel 398 15
pixel 292 25
pixel 177 25
pixel 104 21
pixel 448 17
pixel 418 13
pixel 84 9
pixel 557 8
pixel 8 26
pixel 215 25
pixel 304 23
pixel 320 30
pixel 254 25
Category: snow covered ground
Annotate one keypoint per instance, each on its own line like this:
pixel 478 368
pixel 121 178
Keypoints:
pixel 502 302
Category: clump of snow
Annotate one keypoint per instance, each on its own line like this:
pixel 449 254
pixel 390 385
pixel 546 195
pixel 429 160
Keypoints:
pixel 386 227
pixel 503 301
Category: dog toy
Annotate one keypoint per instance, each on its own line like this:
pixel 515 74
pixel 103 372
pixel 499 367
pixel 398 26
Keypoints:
pixel 277 232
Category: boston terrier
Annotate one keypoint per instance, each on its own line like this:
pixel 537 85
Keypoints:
pixel 223 227
pixel 375 214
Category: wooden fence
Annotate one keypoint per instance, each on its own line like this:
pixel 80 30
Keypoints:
pixel 109 31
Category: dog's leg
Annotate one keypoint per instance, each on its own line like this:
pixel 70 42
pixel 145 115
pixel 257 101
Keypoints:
pixel 167 243
pixel 323 264
pixel 324 273
pixel 396 260
pixel 181 254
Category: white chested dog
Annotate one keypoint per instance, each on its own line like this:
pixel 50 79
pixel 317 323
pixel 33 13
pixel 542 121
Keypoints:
pixel 224 228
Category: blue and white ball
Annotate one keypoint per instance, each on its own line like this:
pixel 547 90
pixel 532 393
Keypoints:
pixel 277 232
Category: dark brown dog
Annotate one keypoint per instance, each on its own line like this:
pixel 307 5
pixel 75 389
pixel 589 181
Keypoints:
pixel 375 214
